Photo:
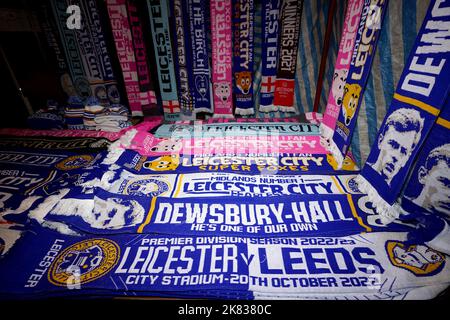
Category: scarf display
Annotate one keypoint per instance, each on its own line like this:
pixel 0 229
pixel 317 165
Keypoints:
pixel 159 22
pixel 420 95
pixel 221 41
pixel 364 50
pixel 341 68
pixel 234 266
pixel 269 55
pixel 71 50
pixel 291 13
pixel 146 88
pixel 233 129
pixel 111 136
pixel 201 92
pixel 123 40
pixel 184 59
pixel 243 19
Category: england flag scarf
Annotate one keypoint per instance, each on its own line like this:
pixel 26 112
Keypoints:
pixel 363 54
pixel 341 68
pixel 291 12
pixel 243 19
pixel 269 55
pixel 184 60
pixel 159 21
pixel 221 37
pixel 420 95
pixel 200 61
pixel 121 30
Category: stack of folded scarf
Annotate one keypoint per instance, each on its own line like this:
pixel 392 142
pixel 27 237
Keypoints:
pixel 91 110
pixel 46 118
pixel 73 113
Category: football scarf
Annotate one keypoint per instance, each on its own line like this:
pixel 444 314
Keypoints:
pixel 53 40
pixel 426 195
pixel 222 130
pixel 146 87
pixel 283 164
pixel 364 50
pixel 221 41
pixel 184 59
pixel 243 19
pixel 71 50
pixel 159 22
pixel 121 30
pixel 342 65
pixel 223 184
pixel 200 62
pixel 371 266
pixel 421 93
pixel 147 144
pixel 108 213
pixel 291 13
pixel 95 55
pixel 269 55
pixel 111 136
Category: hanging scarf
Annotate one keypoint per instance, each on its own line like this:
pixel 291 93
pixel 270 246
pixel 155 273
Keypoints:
pixel 377 266
pixel 200 61
pixel 184 60
pixel 222 58
pixel 243 17
pixel 146 87
pixel 418 99
pixel 71 50
pixel 341 68
pixel 363 54
pixel 269 55
pixel 426 197
pixel 121 30
pixel 291 13
pixel 159 21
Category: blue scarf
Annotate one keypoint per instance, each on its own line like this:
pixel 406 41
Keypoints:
pixel 242 20
pixel 159 21
pixel 363 54
pixel 421 93
pixel 269 55
pixel 221 267
pixel 199 52
pixel 184 59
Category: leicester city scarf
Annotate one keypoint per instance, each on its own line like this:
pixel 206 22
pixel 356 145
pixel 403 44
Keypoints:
pixel 243 18
pixel 269 55
pixel 221 41
pixel 426 198
pixel 370 266
pixel 200 61
pixel 146 87
pixel 159 21
pixel 341 68
pixel 183 60
pixel 291 12
pixel 121 30
pixel 363 54
pixel 221 130
pixel 419 97
pixel 95 53
pixel 71 50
